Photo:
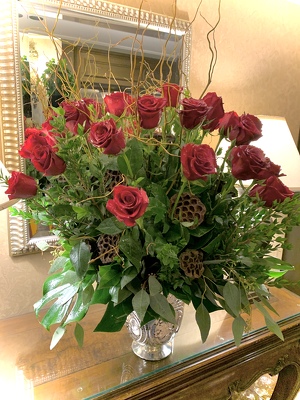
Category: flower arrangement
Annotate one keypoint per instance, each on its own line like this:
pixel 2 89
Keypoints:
pixel 144 207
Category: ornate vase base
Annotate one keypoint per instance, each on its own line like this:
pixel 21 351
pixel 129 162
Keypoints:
pixel 152 353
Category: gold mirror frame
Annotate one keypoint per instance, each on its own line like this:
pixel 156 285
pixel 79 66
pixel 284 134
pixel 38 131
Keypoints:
pixel 11 111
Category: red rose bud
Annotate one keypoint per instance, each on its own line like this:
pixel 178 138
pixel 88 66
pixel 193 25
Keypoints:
pixel 117 103
pixel 40 149
pixel 171 92
pixel 150 110
pixel 250 162
pixel 79 113
pixel 21 186
pixel 105 134
pixel 198 161
pixel 128 204
pixel 273 189
pixel 193 113
pixel 228 122
pixel 243 129
pixel 215 111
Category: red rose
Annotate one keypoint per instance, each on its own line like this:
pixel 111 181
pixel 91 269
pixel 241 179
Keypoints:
pixel 229 121
pixel 198 161
pixel 193 113
pixel 118 102
pixel 215 111
pixel 243 129
pixel 250 162
pixel 273 189
pixel 171 92
pixel 105 134
pixel 128 204
pixel 40 150
pixel 21 186
pixel 79 113
pixel 149 110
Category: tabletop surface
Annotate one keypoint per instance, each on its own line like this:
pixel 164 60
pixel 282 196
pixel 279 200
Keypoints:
pixel 29 370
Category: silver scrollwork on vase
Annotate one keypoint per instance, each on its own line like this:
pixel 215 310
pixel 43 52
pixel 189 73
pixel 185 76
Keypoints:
pixel 154 340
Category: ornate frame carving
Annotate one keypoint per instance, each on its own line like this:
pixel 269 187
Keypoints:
pixel 11 120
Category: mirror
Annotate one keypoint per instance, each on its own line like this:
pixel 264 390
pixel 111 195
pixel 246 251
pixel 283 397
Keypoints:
pixel 83 33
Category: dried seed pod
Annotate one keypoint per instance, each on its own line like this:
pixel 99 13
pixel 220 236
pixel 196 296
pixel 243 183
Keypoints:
pixel 189 209
pixel 108 246
pixel 112 179
pixel 191 262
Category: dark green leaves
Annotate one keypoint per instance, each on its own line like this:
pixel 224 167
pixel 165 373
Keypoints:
pixel 80 256
pixel 114 317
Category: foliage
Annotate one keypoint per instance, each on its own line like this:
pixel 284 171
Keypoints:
pixel 235 239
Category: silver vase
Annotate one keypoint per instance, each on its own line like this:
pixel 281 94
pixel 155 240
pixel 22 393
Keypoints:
pixel 154 340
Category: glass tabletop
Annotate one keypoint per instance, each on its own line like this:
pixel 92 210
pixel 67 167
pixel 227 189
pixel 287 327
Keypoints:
pixel 106 362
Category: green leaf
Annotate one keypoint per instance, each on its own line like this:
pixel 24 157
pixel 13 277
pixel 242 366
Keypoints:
pixel 203 321
pixel 101 296
pixel 80 256
pixel 109 227
pixel 79 308
pixel 271 324
pixel 154 286
pixel 42 245
pixel 58 264
pixel 140 303
pixel 129 274
pixel 109 276
pixel 161 306
pixel 56 313
pixel 53 282
pixel 232 297
pixel 79 334
pixel 212 245
pixel 57 335
pixel 238 327
pixel 81 212
pixel 114 317
pixel 131 161
pixel 49 296
pixel 132 250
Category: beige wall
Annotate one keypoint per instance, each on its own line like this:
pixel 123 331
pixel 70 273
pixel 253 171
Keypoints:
pixel 258 71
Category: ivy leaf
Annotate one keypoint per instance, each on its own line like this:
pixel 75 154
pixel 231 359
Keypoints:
pixel 101 296
pixel 203 321
pixel 109 276
pixel 129 274
pixel 232 297
pixel 238 327
pixel 161 306
pixel 109 226
pixel 81 212
pixel 80 256
pixel 140 303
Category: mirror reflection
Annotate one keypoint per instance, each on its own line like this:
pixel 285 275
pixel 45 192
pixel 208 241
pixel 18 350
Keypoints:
pixel 66 54
pixel 82 50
